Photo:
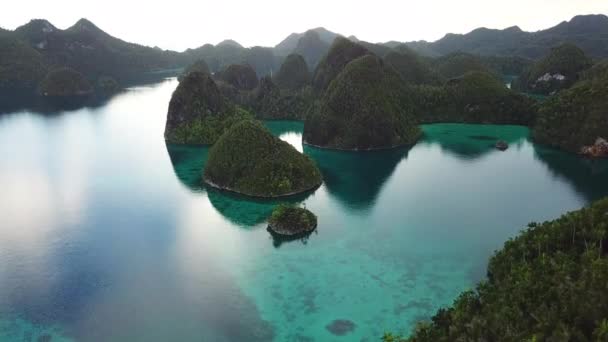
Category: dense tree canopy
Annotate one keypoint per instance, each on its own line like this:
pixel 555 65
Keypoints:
pixel 412 68
pixel 341 52
pixel 559 70
pixel 268 101
pixel 65 82
pixel 294 73
pixel 198 113
pixel 575 117
pixel 249 160
pixel 458 64
pixel 476 97
pixel 362 109
pixel 550 283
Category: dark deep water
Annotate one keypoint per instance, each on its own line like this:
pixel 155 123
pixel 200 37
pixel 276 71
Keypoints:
pixel 106 233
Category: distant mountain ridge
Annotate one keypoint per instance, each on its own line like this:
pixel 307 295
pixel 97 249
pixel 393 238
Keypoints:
pixel 589 32
pixel 33 49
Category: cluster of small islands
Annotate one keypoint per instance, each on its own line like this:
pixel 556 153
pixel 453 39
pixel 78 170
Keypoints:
pixel 547 284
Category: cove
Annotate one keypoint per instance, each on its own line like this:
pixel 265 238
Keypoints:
pixel 108 234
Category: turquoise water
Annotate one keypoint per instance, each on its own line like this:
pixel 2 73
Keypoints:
pixel 107 234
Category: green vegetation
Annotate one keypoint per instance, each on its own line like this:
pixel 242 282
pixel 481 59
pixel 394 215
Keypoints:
pixel 65 82
pixel 240 76
pixel 559 70
pixel 270 102
pixel 294 73
pixel 21 66
pixel 107 85
pixel 199 66
pixel 458 64
pixel 547 284
pixel 363 109
pixel 291 220
pixel 476 97
pixel 198 113
pixel 506 65
pixel 249 160
pixel 341 52
pixel 412 68
pixel 575 117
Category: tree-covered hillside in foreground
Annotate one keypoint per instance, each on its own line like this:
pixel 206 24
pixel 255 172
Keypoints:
pixel 550 283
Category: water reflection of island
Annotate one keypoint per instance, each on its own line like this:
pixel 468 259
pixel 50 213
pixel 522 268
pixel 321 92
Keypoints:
pixel 466 141
pixel 188 162
pixel 588 176
pixel 356 178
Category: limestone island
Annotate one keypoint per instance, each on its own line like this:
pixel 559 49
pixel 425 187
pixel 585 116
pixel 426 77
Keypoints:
pixel 198 113
pixel 198 66
pixel 65 82
pixel 575 119
pixel 290 221
pixel 249 160
pixel 363 109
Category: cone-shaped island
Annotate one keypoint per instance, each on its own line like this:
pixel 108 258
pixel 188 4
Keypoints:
pixel 290 220
pixel 198 113
pixel 249 160
pixel 363 109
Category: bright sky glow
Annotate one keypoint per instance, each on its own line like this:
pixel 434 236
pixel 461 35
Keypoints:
pixel 181 24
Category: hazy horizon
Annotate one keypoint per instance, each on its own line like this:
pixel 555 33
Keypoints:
pixel 267 23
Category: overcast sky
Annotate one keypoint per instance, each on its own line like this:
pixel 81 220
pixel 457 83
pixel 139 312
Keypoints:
pixel 180 24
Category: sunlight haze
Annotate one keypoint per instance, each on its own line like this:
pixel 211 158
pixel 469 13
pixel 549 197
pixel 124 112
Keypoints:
pixel 178 25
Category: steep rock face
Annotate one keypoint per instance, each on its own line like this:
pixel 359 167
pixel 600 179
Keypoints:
pixel 341 52
pixel 574 118
pixel 249 160
pixel 63 82
pixel 240 76
pixel 294 73
pixel 311 47
pixel 198 66
pixel 476 97
pixel 198 113
pixel 559 70
pixel 363 109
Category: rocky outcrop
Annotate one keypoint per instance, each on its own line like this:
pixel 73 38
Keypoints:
pixel 598 150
